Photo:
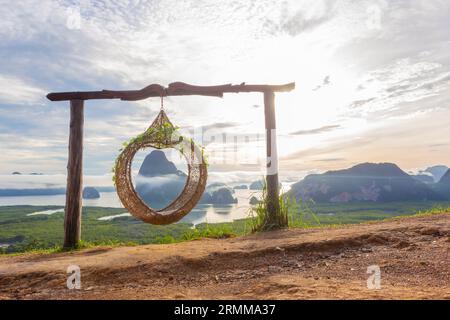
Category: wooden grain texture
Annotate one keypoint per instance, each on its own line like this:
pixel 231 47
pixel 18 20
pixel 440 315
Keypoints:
pixel 272 184
pixel 174 89
pixel 72 219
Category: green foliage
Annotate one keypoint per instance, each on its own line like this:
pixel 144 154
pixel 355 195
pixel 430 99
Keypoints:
pixel 44 234
pixel 310 214
pixel 166 239
pixel 83 244
pixel 300 214
pixel 359 212
pixel 215 231
pixel 260 217
pixel 159 135
pixel 439 209
pixel 292 213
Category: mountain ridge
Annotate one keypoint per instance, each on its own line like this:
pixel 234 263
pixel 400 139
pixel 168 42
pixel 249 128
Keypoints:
pixel 156 164
pixel 445 178
pixel 377 182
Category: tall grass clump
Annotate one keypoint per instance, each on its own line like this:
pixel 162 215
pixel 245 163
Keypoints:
pixel 291 213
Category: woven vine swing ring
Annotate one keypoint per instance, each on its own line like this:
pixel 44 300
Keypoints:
pixel 161 135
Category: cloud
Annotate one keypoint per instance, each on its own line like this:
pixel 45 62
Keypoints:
pixel 360 103
pixel 27 181
pixel 438 145
pixel 316 130
pixel 407 80
pixel 14 90
pixel 118 46
pixel 149 183
pixel 300 16
pixel 325 82
pixel 234 177
pixel 331 160
pixel 386 142
pixel 401 70
pixel 220 125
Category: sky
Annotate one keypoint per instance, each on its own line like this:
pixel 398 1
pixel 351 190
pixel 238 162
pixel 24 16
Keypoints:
pixel 372 80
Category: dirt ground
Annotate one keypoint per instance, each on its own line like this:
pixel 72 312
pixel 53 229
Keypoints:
pixel 325 263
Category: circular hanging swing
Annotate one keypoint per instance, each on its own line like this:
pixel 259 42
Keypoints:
pixel 160 135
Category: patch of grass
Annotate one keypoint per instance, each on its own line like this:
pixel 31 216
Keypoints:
pixel 260 220
pixel 293 213
pixel 427 212
pixel 104 243
pixel 38 247
pixel 26 233
pixel 204 230
pixel 45 234
pixel 214 231
pixel 166 239
pixel 300 214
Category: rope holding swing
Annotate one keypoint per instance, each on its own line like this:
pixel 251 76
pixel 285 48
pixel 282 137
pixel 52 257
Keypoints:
pixel 160 135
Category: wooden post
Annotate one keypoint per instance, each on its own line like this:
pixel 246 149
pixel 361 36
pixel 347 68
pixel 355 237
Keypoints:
pixel 72 220
pixel 272 184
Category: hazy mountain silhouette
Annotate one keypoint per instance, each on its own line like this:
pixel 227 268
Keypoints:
pixel 159 182
pixel 256 185
pixel 90 193
pixel 445 178
pixel 221 195
pixel 437 171
pixel 425 178
pixel 443 186
pixel 157 164
pixel 364 182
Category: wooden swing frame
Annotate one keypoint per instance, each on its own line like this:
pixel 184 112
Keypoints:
pixel 73 207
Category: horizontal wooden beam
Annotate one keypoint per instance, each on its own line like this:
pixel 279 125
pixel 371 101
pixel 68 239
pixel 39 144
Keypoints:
pixel 174 89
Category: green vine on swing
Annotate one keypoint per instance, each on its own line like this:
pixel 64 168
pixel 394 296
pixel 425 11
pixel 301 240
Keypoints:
pixel 158 134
